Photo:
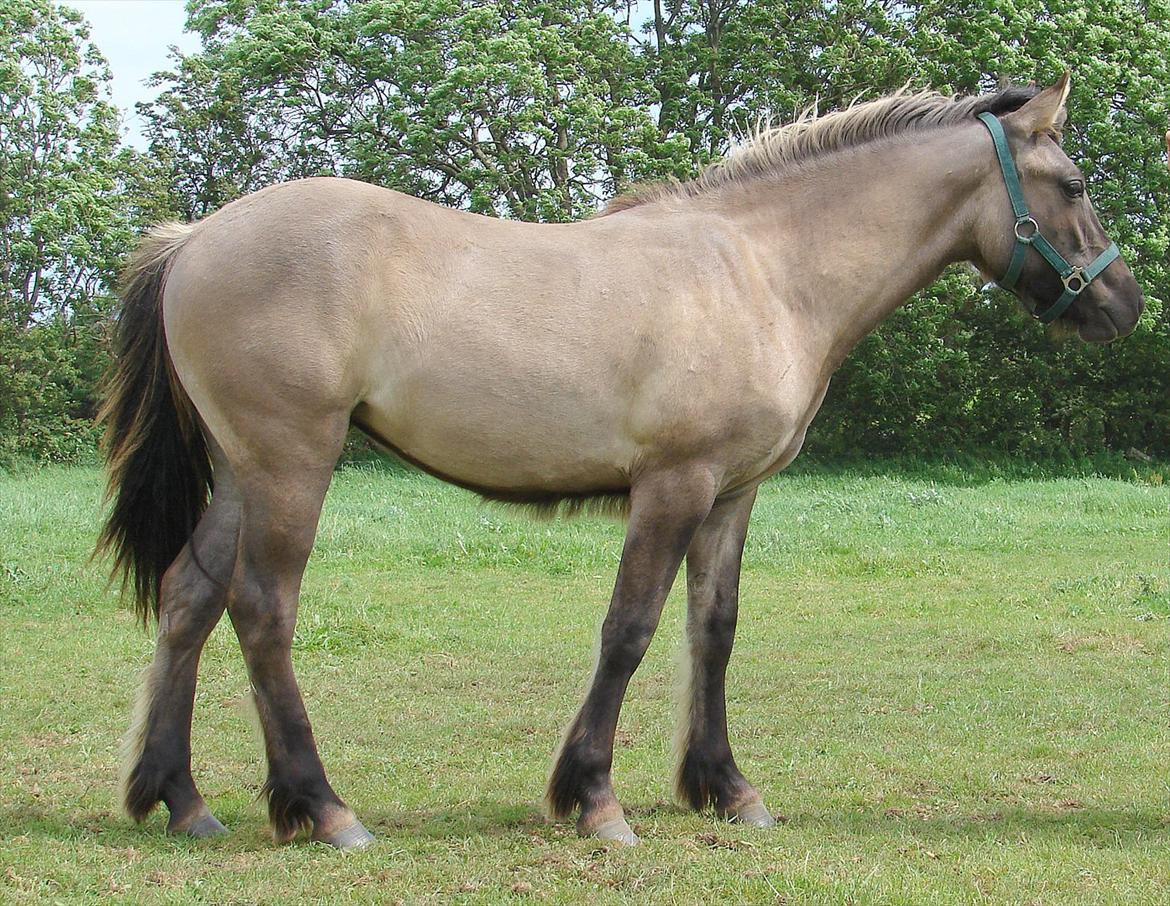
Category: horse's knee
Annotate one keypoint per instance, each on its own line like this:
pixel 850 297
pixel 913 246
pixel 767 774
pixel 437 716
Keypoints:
pixel 623 647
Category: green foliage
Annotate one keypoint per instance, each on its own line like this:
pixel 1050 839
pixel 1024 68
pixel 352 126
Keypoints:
pixel 954 371
pixel 542 110
pixel 46 401
pixel 539 110
pixel 64 225
pixel 981 376
pixel 528 110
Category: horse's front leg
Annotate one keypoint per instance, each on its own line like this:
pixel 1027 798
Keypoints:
pixel 665 510
pixel 707 773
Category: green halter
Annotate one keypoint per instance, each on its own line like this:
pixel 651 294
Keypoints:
pixel 1027 231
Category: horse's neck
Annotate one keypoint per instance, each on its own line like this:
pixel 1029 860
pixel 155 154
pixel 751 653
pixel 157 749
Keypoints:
pixel 852 238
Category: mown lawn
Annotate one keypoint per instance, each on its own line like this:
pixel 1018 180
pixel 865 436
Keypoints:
pixel 953 691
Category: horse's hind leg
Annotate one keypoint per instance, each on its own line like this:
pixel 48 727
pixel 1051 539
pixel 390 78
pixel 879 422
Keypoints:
pixel 157 757
pixel 707 771
pixel 283 493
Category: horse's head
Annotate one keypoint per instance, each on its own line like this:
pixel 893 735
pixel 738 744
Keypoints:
pixel 1047 245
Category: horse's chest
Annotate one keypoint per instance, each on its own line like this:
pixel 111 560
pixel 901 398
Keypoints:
pixel 774 428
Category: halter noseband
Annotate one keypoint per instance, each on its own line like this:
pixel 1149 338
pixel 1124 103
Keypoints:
pixel 1027 231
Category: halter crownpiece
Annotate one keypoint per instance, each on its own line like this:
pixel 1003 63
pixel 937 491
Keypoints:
pixel 1027 232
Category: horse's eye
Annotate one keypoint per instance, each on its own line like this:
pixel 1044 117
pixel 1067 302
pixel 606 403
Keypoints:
pixel 1074 188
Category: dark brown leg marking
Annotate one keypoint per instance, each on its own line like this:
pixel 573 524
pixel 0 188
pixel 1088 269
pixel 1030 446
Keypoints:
pixel 281 509
pixel 158 746
pixel 707 773
pixel 665 510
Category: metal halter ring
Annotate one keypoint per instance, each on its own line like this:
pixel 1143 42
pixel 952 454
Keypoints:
pixel 1074 281
pixel 1031 234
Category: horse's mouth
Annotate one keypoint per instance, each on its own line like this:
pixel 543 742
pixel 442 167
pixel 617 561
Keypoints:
pixel 1101 329
pixel 1095 334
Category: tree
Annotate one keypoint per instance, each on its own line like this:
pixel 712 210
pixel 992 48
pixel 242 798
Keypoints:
pixel 722 65
pixel 979 375
pixel 64 224
pixel 543 109
pixel 955 370
pixel 532 110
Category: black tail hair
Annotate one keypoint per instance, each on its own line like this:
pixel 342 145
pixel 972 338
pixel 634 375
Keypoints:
pixel 156 454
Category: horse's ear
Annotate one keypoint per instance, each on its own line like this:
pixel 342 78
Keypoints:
pixel 1045 112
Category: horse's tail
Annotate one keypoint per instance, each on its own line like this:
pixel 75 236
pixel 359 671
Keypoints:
pixel 155 452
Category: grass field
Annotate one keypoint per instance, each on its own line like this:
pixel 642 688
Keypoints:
pixel 953 690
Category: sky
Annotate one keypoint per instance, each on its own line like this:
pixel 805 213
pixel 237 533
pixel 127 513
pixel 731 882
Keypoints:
pixel 135 37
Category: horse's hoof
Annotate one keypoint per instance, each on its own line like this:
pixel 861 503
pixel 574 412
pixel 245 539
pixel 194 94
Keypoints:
pixel 206 825
pixel 353 837
pixel 616 830
pixel 754 814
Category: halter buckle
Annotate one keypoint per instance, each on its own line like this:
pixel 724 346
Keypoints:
pixel 1074 281
pixel 1028 222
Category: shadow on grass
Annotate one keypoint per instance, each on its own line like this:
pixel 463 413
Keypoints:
pixel 108 829
pixel 483 818
pixel 490 818
pixel 493 818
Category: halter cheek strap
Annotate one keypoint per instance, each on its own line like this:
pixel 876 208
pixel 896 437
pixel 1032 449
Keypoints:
pixel 1027 232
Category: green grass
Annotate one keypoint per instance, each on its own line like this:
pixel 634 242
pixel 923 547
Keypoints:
pixel 954 688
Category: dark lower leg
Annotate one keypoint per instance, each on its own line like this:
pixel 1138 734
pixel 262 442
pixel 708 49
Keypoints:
pixel 708 774
pixel 161 769
pixel 280 520
pixel 581 776
pixel 298 792
pixel 664 514
pixel 158 746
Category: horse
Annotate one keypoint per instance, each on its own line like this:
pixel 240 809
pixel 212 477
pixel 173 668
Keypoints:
pixel 660 360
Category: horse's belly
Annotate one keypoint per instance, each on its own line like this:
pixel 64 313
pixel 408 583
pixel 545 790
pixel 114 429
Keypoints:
pixel 502 443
